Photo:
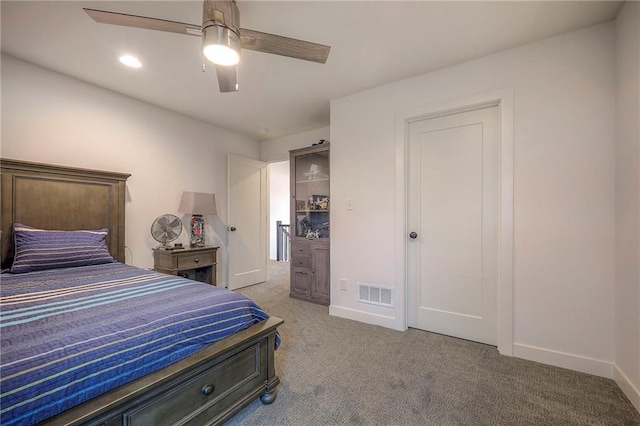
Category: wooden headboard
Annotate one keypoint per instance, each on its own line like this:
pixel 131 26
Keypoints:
pixel 62 198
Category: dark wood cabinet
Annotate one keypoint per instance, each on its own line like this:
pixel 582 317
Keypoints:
pixel 310 217
pixel 310 271
pixel 198 264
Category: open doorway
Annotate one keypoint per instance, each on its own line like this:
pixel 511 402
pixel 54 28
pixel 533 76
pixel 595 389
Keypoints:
pixel 279 216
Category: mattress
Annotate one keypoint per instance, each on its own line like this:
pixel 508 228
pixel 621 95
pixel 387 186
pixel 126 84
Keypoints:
pixel 69 335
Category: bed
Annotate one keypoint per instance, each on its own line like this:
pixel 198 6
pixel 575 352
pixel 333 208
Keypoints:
pixel 203 377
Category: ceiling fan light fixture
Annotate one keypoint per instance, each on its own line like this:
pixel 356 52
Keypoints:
pixel 222 37
pixel 130 61
pixel 220 45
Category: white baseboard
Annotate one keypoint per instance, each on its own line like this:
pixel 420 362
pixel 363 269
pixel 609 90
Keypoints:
pixel 583 364
pixel 632 392
pixel 366 317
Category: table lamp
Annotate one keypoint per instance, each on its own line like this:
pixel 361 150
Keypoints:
pixel 197 204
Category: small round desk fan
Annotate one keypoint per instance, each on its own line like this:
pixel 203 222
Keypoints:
pixel 166 228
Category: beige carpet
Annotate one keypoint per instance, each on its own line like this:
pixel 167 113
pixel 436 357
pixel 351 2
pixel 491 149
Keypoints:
pixel 336 371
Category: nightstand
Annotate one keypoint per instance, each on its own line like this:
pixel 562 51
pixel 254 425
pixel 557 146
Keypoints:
pixel 197 264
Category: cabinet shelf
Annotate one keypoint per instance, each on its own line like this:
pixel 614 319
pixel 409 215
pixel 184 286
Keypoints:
pixel 312 211
pixel 312 180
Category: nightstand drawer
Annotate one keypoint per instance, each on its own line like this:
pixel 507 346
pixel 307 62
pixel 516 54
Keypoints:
pixel 195 260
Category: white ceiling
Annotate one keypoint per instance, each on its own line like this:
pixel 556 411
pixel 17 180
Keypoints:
pixel 372 43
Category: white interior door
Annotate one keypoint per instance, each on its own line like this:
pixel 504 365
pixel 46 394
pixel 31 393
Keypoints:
pixel 247 221
pixel 453 210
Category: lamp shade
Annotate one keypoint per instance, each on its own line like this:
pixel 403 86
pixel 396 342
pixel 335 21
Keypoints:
pixel 197 203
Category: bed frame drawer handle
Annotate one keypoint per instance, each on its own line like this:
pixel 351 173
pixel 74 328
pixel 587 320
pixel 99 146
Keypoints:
pixel 207 389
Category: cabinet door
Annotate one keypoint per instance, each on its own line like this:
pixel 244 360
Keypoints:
pixel 310 193
pixel 301 282
pixel 320 284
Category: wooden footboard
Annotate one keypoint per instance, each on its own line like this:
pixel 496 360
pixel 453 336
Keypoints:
pixel 204 389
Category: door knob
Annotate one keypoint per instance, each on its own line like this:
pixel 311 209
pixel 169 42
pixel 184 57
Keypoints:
pixel 413 235
pixel 233 228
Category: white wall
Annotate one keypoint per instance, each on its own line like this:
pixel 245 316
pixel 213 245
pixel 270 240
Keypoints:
pixel 564 139
pixel 279 190
pixel 278 149
pixel 627 304
pixel 50 118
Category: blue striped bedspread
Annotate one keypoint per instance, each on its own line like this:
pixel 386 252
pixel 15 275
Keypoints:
pixel 69 335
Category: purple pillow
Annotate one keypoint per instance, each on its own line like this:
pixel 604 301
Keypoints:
pixel 41 249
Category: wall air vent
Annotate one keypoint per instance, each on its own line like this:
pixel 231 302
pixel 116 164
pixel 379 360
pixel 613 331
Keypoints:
pixel 375 295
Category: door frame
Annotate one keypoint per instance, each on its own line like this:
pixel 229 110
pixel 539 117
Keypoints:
pixel 503 98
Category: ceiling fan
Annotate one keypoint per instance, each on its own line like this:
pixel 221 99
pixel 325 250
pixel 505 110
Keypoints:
pixel 222 38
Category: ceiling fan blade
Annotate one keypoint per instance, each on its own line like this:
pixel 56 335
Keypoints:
pixel 135 21
pixel 285 46
pixel 227 78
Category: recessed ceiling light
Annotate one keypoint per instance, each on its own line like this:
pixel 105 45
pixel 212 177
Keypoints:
pixel 130 61
pixel 263 130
